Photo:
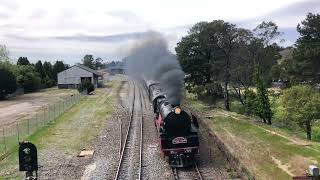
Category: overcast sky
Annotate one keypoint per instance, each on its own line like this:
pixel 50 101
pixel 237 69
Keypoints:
pixel 69 29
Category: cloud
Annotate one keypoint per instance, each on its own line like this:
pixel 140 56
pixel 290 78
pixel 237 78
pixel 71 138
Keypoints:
pixel 126 16
pixel 37 14
pixel 108 38
pixel 9 4
pixel 71 28
pixel 4 15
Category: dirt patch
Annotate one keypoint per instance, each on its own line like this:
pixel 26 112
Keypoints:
pixel 25 106
pixel 284 167
pixel 303 162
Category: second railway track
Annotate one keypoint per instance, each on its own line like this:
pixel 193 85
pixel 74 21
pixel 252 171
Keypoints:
pixel 129 166
pixel 180 174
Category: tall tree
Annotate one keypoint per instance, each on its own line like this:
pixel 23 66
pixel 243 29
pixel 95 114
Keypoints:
pixel 39 69
pixel 88 61
pixel 306 57
pixel 4 54
pixel 58 67
pixel 8 80
pixel 23 61
pixel 98 63
pixel 265 50
pixel 302 105
pixel 262 104
pixel 206 54
pixel 48 69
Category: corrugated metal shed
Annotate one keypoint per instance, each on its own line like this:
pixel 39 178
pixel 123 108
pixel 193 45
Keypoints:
pixel 73 76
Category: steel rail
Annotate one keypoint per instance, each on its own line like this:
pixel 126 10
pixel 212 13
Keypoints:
pixel 127 134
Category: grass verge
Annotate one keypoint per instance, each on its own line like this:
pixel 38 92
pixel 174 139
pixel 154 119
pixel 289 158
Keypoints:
pixel 267 152
pixel 70 132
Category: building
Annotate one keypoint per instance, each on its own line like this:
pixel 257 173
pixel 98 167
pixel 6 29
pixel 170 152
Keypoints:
pixel 116 67
pixel 72 77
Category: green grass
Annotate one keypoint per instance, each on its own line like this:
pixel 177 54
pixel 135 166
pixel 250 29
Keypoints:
pixel 71 131
pixel 266 155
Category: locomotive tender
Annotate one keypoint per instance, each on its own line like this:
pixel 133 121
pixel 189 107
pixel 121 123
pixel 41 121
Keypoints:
pixel 178 131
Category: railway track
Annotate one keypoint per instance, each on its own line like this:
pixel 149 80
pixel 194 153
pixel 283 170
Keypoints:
pixel 187 175
pixel 130 162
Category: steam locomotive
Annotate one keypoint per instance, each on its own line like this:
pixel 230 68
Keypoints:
pixel 178 131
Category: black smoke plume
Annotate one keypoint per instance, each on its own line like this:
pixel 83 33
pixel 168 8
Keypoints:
pixel 151 60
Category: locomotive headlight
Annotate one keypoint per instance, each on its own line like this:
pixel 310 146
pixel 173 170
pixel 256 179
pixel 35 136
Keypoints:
pixel 177 110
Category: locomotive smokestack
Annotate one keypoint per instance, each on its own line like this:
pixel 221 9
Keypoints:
pixel 152 60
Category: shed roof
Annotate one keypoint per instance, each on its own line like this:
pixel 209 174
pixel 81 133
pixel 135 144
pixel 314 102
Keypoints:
pixel 89 69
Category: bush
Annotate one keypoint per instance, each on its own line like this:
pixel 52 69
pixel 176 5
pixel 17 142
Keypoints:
pixel 316 134
pixel 7 82
pixel 48 82
pixel 214 90
pixel 28 78
pixel 86 85
pixel 209 92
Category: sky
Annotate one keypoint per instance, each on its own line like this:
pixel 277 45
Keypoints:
pixel 69 29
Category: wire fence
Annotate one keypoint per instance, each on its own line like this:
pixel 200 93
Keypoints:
pixel 22 129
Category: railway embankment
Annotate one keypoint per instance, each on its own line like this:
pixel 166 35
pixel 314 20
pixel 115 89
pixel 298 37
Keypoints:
pixel 256 150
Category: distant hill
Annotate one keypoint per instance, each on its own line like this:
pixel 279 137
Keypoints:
pixel 285 54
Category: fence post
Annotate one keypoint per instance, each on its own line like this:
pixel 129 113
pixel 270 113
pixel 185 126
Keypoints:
pixel 18 131
pixel 28 126
pixel 37 121
pixel 44 116
pixel 4 141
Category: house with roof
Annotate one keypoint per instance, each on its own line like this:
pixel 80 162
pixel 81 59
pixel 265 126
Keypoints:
pixel 72 77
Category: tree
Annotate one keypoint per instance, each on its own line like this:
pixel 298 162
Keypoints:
pixel 58 67
pixel 39 69
pixel 27 78
pixel 23 61
pixel 250 99
pixel 306 56
pixel 7 81
pixel 206 54
pixel 262 104
pixel 88 61
pixel 48 69
pixel 302 105
pixel 267 32
pixel 265 51
pixel 4 54
pixel 7 78
pixel 98 63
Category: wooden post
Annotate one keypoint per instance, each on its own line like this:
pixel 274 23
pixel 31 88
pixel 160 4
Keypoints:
pixel 18 131
pixel 4 141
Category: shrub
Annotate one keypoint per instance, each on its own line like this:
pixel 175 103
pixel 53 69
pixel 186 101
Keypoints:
pixel 209 92
pixel 86 85
pixel 214 90
pixel 250 101
pixel 48 82
pixel 7 82
pixel 316 134
pixel 28 78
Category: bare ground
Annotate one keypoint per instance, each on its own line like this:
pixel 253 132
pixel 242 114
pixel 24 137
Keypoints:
pixel 27 105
